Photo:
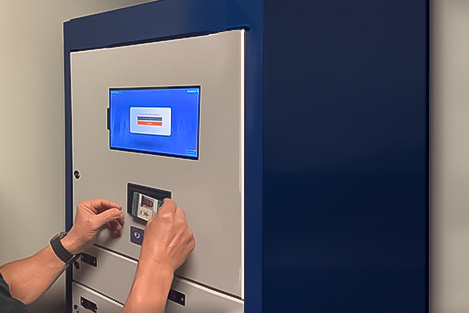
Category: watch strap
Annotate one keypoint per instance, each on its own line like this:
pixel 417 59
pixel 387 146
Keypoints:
pixel 60 251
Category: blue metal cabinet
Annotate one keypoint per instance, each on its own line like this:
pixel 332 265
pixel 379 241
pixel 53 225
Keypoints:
pixel 336 126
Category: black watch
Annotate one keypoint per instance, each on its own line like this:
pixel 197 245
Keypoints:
pixel 60 251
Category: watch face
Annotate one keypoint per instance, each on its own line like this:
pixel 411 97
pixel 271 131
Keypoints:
pixel 58 236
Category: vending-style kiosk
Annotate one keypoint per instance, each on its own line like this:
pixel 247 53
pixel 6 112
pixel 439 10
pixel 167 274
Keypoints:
pixel 293 135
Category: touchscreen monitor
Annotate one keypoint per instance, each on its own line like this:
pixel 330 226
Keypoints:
pixel 162 121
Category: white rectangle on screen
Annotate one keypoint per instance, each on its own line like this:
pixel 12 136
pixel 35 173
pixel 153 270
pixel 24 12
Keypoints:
pixel 150 121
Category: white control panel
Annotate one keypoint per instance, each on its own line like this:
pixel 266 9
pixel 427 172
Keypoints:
pixel 165 119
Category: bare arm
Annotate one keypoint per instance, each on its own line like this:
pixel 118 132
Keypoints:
pixel 29 278
pixel 166 244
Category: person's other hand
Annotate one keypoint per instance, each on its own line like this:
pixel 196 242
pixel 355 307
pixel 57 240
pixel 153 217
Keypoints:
pixel 168 239
pixel 90 217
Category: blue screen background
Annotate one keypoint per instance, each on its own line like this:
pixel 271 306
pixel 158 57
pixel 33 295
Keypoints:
pixel 184 104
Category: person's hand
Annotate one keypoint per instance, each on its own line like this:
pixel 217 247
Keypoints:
pixel 90 217
pixel 168 239
pixel 166 245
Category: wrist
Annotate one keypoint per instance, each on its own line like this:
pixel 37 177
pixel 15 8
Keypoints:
pixel 150 288
pixel 71 244
pixel 149 267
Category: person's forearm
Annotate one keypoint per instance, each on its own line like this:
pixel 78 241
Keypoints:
pixel 150 288
pixel 29 278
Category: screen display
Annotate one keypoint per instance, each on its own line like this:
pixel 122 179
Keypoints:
pixel 161 121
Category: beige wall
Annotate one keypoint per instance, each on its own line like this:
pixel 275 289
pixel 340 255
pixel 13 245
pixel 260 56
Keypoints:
pixel 32 125
pixel 32 138
pixel 450 156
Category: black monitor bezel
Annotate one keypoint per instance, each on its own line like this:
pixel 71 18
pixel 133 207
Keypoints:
pixel 157 153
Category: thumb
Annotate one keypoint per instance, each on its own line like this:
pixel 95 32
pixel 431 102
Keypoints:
pixel 108 216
